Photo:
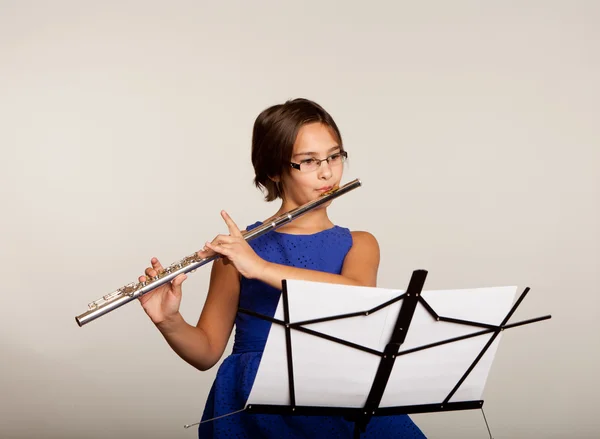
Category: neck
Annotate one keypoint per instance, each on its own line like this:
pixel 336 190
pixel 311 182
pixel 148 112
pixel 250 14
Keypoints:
pixel 313 221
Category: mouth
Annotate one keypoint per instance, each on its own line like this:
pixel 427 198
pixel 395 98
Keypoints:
pixel 325 189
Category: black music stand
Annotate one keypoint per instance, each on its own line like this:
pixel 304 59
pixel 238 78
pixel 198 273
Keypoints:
pixel 361 416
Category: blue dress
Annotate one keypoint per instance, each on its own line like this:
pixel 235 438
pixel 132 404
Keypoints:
pixel 323 251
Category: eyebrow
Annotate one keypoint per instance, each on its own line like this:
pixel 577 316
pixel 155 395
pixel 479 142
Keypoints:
pixel 314 153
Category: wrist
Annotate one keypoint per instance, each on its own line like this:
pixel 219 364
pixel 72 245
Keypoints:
pixel 261 270
pixel 170 324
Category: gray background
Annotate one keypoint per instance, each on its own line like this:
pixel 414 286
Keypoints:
pixel 125 129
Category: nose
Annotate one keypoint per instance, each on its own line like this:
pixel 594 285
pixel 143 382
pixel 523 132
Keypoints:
pixel 325 170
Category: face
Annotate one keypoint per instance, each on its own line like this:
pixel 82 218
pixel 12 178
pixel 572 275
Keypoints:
pixel 314 141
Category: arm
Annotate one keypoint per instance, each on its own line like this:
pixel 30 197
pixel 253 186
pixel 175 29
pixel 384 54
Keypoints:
pixel 360 266
pixel 203 345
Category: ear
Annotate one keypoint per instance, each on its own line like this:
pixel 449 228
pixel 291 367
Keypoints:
pixel 275 179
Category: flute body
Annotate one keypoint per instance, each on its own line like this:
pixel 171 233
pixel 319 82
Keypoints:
pixel 190 263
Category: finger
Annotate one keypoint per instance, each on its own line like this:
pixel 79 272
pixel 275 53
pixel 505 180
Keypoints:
pixel 231 225
pixel 142 279
pixel 157 265
pixel 177 284
pixel 220 239
pixel 222 249
pixel 205 253
pixel 211 246
pixel 150 272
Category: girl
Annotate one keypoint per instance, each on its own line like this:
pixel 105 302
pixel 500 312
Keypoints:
pixel 297 154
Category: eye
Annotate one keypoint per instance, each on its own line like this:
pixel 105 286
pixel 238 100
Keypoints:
pixel 308 161
pixel 335 156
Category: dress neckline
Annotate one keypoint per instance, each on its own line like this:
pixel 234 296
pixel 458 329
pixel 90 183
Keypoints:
pixel 300 234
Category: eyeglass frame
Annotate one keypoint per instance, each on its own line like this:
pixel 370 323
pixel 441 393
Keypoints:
pixel 343 154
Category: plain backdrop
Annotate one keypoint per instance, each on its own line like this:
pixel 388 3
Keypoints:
pixel 125 128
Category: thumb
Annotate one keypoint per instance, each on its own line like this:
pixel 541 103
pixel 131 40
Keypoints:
pixel 177 284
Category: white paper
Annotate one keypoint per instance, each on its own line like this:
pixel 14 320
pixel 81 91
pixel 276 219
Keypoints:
pixel 330 374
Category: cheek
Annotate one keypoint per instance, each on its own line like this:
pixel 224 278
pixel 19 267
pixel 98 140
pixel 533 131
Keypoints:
pixel 301 181
pixel 308 183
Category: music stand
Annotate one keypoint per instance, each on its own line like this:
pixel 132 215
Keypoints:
pixel 411 390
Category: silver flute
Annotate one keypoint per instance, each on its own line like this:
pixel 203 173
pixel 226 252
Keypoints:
pixel 190 263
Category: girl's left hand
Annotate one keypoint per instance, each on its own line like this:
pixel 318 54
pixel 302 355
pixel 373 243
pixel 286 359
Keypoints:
pixel 236 250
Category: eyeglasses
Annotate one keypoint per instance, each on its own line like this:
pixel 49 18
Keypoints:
pixel 313 164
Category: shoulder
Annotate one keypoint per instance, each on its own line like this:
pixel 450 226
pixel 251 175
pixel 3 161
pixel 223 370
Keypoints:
pixel 362 261
pixel 365 241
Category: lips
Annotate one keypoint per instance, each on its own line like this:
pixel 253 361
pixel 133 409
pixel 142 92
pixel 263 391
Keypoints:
pixel 325 188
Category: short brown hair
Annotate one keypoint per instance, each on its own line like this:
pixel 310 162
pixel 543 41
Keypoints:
pixel 273 137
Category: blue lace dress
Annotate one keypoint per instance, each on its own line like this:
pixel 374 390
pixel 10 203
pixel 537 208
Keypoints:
pixel 323 251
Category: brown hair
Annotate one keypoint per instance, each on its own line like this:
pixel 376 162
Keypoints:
pixel 273 137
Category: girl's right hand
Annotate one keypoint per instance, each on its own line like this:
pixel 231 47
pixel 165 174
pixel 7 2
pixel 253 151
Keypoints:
pixel 162 303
